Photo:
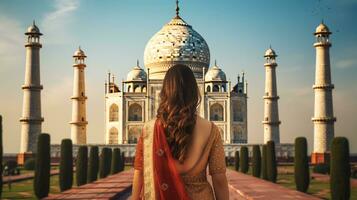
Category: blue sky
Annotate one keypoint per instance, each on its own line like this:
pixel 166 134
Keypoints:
pixel 114 33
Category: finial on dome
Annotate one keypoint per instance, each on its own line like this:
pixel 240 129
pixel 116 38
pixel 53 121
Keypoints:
pixel 215 62
pixel 33 22
pixel 137 62
pixel 177 8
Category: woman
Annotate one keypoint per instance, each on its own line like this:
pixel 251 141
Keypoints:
pixel 175 149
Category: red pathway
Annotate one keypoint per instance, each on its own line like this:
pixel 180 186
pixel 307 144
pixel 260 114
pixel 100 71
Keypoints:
pixel 249 187
pixel 117 186
pixel 241 186
pixel 26 176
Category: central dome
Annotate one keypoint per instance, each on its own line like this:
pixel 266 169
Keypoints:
pixel 176 43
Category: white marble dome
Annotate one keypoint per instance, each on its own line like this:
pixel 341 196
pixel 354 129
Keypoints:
pixel 270 53
pixel 33 30
pixel 136 74
pixel 79 53
pixel 215 74
pixel 322 28
pixel 176 43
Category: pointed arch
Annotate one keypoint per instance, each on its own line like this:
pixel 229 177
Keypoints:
pixel 135 112
pixel 216 112
pixel 113 113
pixel 113 136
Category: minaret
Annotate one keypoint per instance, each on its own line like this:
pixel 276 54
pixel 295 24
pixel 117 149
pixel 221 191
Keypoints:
pixel 79 119
pixel 323 113
pixel 31 120
pixel 271 114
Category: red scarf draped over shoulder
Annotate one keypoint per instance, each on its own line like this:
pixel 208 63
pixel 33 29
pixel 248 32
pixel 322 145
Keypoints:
pixel 168 182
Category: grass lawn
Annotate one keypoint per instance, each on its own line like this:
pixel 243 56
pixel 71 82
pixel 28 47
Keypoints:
pixel 316 188
pixel 24 189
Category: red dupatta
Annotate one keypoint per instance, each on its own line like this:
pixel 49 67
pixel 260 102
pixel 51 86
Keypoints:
pixel 168 183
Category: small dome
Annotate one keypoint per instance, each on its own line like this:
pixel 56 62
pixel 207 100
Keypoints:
pixel 136 74
pixel 215 74
pixel 79 53
pixel 270 53
pixel 33 30
pixel 322 28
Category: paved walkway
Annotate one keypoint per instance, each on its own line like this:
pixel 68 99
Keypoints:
pixel 326 178
pixel 117 186
pixel 26 176
pixel 249 187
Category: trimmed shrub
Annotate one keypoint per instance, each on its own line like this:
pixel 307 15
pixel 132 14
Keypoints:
pixel 1 157
pixel 340 173
pixel 322 168
pixel 29 164
pixel 272 170
pixel 236 161
pixel 264 162
pixel 301 165
pixel 256 161
pixel 104 161
pixel 122 161
pixel 244 159
pixel 42 166
pixel 81 165
pixel 93 164
pixel 66 165
pixel 116 161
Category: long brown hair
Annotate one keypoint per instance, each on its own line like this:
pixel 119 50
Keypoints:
pixel 180 98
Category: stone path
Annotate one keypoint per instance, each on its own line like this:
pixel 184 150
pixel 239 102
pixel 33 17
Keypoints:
pixel 117 186
pixel 26 176
pixel 249 187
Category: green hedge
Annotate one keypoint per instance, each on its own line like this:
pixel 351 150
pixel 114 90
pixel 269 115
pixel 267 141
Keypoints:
pixel 340 169
pixel 122 161
pixel 104 162
pixel 42 166
pixel 264 162
pixel 116 161
pixel 272 170
pixel 236 161
pixel 66 165
pixel 93 164
pixel 81 165
pixel 322 168
pixel 301 165
pixel 256 161
pixel 244 159
pixel 29 164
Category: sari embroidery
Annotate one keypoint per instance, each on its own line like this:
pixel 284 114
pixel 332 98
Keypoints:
pixel 161 178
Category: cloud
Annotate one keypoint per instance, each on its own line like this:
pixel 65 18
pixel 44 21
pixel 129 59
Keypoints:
pixel 55 22
pixel 346 63
pixel 11 43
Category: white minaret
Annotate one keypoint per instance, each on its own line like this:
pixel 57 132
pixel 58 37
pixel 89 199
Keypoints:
pixel 271 114
pixel 31 120
pixel 79 119
pixel 323 113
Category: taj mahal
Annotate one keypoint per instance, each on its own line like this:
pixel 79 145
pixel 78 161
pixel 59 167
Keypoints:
pixel 135 101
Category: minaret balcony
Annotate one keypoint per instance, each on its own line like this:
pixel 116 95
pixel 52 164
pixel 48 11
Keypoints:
pixel 272 64
pixel 271 97
pixel 79 123
pixel 32 87
pixel 271 122
pixel 324 119
pixel 322 44
pixel 80 98
pixel 34 120
pixel 323 86
pixel 33 44
pixel 79 65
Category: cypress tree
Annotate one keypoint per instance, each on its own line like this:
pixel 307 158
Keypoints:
pixel 42 166
pixel 1 157
pixel 340 169
pixel 81 165
pixel 103 162
pixel 116 164
pixel 271 162
pixel 264 162
pixel 122 161
pixel 93 164
pixel 244 159
pixel 66 165
pixel 236 161
pixel 301 164
pixel 256 161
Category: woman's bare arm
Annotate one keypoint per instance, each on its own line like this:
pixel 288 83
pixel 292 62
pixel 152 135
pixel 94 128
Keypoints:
pixel 137 184
pixel 220 186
